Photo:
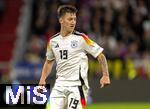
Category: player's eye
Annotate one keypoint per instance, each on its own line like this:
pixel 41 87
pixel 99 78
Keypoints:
pixel 70 19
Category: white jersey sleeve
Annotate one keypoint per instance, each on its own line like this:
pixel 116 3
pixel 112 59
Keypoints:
pixel 91 47
pixel 49 53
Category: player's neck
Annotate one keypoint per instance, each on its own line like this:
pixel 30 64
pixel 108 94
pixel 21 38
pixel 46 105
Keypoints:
pixel 64 33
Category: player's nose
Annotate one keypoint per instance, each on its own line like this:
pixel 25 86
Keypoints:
pixel 73 22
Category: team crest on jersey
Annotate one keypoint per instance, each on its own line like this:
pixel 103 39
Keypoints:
pixel 74 44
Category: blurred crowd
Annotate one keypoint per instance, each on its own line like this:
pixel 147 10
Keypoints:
pixel 121 27
pixel 2 8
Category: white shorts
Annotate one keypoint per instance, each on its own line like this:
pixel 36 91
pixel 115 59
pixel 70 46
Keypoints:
pixel 63 97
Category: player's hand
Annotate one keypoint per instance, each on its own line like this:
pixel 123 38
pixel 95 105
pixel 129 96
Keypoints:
pixel 40 89
pixel 105 80
pixel 41 86
pixel 42 83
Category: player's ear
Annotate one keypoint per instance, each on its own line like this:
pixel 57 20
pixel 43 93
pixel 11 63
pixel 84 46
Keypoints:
pixel 60 20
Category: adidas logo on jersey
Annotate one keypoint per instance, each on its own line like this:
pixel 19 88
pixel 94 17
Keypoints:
pixel 56 46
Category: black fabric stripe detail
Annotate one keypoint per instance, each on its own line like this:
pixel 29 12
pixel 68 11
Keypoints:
pixel 81 92
pixel 51 37
pixel 55 35
pixel 80 78
pixel 77 33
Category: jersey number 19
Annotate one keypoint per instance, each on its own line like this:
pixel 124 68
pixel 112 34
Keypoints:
pixel 63 54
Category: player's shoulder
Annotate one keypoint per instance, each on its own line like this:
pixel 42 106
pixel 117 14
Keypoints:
pixel 77 33
pixel 54 37
pixel 81 35
pixel 84 38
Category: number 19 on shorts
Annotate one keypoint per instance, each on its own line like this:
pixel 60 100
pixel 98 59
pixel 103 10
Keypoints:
pixel 73 103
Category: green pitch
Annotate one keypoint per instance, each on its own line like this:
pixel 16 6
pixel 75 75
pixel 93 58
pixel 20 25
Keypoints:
pixel 119 106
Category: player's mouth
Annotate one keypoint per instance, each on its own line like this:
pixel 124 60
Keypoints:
pixel 72 26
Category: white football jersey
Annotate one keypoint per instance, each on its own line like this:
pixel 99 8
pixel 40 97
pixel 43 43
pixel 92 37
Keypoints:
pixel 70 55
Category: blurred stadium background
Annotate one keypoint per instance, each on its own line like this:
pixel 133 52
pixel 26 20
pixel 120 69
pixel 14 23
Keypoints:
pixel 122 27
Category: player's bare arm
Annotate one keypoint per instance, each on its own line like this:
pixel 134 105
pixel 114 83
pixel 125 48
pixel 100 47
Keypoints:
pixel 105 80
pixel 46 71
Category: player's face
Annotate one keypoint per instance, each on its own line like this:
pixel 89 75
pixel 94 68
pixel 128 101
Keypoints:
pixel 68 21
